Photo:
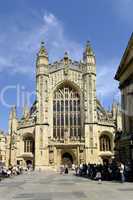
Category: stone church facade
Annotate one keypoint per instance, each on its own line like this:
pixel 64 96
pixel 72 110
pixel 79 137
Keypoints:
pixel 66 124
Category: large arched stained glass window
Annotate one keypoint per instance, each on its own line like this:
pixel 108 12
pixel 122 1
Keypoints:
pixel 66 112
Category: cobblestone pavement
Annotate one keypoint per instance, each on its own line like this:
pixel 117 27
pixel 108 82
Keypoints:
pixel 53 186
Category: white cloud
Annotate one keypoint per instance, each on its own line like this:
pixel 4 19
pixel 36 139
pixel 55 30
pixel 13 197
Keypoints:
pixel 26 44
pixel 50 19
pixel 21 58
pixel 57 40
pixel 52 32
pixel 106 85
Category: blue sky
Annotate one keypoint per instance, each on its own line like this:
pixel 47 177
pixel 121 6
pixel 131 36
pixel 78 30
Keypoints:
pixel 64 26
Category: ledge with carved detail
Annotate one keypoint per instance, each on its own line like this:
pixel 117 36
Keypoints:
pixel 105 122
pixel 70 139
pixel 106 154
pixel 26 124
pixel 67 141
pixel 26 155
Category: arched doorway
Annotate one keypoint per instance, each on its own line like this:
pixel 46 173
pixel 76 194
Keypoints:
pixel 67 159
pixel 29 164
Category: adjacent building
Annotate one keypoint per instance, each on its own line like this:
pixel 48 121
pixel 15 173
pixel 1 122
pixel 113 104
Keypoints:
pixel 2 148
pixel 125 77
pixel 67 123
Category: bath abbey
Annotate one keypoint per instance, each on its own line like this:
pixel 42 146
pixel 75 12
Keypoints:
pixel 67 123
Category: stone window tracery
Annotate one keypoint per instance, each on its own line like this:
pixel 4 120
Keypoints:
pixel 28 145
pixel 66 112
pixel 105 143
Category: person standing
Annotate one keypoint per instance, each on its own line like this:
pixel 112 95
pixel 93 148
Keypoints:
pixel 66 170
pixel 122 176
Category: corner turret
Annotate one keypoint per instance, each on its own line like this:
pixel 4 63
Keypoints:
pixel 42 83
pixel 13 120
pixel 88 55
pixel 114 110
pixel 42 56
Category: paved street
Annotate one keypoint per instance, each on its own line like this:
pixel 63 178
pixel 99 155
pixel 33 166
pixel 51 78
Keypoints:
pixel 53 186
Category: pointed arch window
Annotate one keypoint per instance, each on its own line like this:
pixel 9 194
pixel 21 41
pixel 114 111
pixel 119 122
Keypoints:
pixel 66 112
pixel 105 143
pixel 28 145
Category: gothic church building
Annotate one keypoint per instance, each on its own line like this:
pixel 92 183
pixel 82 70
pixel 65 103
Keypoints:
pixel 66 124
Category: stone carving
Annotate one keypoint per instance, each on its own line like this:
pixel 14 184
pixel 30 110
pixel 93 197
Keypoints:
pixel 66 70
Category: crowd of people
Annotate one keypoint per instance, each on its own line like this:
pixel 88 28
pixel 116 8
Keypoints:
pixel 12 170
pixel 112 171
pixel 108 171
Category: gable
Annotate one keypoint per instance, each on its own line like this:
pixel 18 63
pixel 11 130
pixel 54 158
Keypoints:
pixel 67 74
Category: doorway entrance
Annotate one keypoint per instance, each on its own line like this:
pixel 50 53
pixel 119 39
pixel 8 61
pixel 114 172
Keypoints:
pixel 29 164
pixel 106 160
pixel 67 159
